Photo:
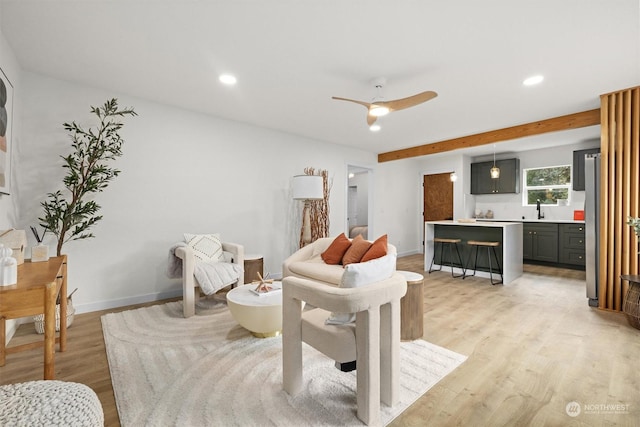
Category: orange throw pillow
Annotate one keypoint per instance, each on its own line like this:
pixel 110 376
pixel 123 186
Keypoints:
pixel 359 247
pixel 377 250
pixel 335 251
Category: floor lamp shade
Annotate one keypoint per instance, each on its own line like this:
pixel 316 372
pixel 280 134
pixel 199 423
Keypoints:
pixel 308 187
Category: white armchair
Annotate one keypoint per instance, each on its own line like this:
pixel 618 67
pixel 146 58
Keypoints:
pixel 189 281
pixel 373 342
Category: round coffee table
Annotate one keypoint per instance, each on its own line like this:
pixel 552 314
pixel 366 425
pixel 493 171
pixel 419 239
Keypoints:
pixel 260 314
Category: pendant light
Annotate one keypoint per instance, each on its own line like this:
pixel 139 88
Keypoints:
pixel 495 171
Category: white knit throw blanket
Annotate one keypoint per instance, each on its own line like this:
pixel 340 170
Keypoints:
pixel 211 276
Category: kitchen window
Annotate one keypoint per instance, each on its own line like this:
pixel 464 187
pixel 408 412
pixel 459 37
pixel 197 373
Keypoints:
pixel 550 185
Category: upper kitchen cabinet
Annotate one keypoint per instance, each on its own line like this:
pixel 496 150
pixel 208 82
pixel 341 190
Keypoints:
pixel 509 181
pixel 578 167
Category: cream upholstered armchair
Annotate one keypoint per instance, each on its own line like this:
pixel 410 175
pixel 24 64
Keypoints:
pixel 214 277
pixel 373 341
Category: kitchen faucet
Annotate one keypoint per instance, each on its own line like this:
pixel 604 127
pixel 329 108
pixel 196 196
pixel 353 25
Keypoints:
pixel 540 214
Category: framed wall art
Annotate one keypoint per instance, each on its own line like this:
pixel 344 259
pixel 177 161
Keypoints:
pixel 6 118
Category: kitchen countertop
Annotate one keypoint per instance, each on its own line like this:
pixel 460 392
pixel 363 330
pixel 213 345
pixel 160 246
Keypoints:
pixel 552 221
pixel 484 223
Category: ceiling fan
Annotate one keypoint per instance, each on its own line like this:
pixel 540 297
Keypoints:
pixel 378 107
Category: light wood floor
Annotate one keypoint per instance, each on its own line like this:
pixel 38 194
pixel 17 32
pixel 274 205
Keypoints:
pixel 533 347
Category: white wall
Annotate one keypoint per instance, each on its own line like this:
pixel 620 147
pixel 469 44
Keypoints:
pixel 397 205
pixel 181 172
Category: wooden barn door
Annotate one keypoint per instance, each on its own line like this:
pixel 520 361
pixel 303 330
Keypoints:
pixel 438 197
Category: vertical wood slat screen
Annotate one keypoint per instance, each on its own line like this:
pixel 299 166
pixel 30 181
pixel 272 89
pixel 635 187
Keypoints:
pixel 620 187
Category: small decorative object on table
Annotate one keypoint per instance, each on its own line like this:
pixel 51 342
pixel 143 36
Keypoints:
pixel 265 285
pixel 40 252
pixel 16 240
pixel 8 267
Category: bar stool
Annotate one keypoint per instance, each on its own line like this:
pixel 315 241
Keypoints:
pixel 450 243
pixel 491 247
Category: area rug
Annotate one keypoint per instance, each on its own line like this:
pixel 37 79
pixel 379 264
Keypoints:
pixel 209 371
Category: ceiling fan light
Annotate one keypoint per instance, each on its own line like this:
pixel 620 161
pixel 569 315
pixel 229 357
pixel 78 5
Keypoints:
pixel 375 127
pixel 378 110
pixel 533 80
pixel 228 79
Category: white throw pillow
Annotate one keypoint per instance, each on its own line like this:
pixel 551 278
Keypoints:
pixel 206 247
pixel 363 274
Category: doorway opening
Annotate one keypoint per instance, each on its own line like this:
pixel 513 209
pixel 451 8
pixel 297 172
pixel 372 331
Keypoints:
pixel 359 201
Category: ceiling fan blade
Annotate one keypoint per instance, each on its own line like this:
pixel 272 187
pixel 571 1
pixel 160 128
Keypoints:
pixel 366 104
pixel 371 119
pixel 401 104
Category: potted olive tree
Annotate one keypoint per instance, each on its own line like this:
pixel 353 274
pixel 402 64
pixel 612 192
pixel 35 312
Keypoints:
pixel 69 215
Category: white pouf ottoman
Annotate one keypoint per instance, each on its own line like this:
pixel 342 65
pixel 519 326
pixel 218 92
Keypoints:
pixel 49 403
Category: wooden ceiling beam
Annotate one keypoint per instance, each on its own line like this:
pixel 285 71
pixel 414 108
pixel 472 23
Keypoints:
pixel 570 121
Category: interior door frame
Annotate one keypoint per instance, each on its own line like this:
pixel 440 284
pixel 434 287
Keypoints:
pixel 349 167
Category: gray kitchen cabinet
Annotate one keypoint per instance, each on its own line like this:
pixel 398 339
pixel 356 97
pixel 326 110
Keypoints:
pixel 509 181
pixel 540 242
pixel 577 181
pixel 571 244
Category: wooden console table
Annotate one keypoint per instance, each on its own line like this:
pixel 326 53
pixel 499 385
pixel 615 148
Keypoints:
pixel 39 284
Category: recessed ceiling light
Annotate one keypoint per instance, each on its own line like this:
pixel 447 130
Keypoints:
pixel 375 127
pixel 533 80
pixel 228 79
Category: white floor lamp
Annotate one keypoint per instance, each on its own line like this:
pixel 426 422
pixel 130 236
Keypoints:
pixel 307 188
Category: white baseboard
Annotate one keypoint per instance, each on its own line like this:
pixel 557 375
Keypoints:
pixel 139 299
pixel 407 253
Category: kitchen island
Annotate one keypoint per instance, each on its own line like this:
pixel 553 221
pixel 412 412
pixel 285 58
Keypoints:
pixel 508 234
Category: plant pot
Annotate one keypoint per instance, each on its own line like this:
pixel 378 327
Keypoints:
pixel 631 305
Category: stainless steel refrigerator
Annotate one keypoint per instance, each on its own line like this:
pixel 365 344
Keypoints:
pixel 592 224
